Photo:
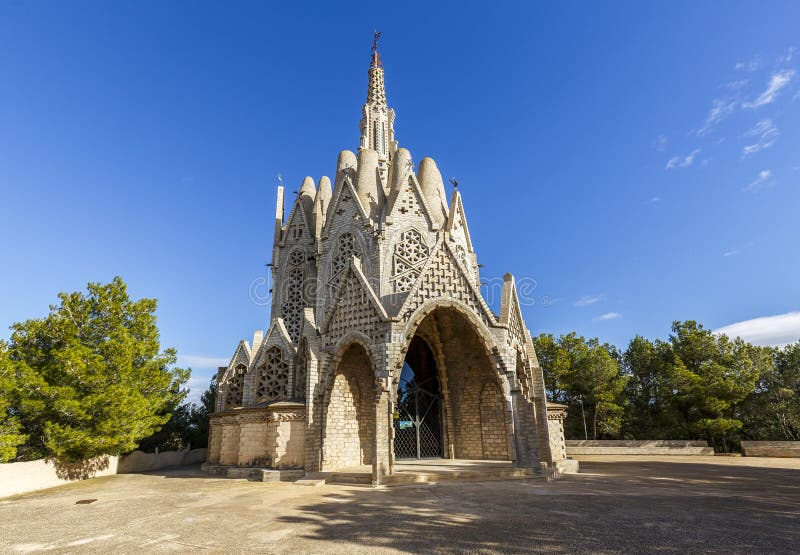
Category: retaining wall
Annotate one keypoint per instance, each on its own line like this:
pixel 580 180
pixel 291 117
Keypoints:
pixel 637 447
pixel 22 477
pixel 771 448
pixel 139 461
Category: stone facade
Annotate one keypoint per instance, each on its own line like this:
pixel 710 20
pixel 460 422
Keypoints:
pixel 360 270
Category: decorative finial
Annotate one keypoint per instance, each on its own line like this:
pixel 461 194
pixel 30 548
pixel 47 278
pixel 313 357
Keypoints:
pixel 376 35
pixel 280 180
pixel 454 182
pixel 376 58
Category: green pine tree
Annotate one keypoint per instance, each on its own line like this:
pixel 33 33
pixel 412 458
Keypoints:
pixel 10 427
pixel 90 377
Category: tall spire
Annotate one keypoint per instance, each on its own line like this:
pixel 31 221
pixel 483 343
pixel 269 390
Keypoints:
pixel 376 95
pixel 377 119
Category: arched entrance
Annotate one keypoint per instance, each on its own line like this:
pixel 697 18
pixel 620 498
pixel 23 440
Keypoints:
pixel 449 355
pixel 418 415
pixel 348 431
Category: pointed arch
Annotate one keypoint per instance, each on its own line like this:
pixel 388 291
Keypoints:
pixel 348 410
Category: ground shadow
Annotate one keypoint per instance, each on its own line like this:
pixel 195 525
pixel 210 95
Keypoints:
pixel 79 470
pixel 612 508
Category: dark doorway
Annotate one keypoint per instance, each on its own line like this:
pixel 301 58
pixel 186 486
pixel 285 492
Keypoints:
pixel 418 412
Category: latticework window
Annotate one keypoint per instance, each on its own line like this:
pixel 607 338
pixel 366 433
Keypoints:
pixel 345 250
pixel 235 387
pixel 410 254
pixel 296 258
pixel 301 372
pixel 273 376
pixel 292 308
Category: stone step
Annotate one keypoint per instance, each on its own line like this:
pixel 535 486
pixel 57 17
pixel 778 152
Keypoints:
pixel 406 478
pixel 311 482
pixel 254 474
pixel 349 478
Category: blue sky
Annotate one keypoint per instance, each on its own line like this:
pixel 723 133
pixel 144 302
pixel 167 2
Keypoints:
pixel 634 163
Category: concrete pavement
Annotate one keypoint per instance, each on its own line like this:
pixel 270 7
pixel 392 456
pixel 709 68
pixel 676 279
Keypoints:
pixel 617 504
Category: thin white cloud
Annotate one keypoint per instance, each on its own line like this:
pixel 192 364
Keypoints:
pixel 653 200
pixel 588 300
pixel 752 65
pixel 786 58
pixel 196 385
pixel 607 316
pixel 201 361
pixel 764 178
pixel 777 81
pixel 660 144
pixel 767 134
pixel 737 250
pixel 721 108
pixel 736 85
pixel 681 161
pixel 774 331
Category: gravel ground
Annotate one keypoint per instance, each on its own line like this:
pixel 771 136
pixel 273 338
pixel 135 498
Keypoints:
pixel 616 505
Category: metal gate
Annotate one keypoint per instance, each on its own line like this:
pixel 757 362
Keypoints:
pixel 418 420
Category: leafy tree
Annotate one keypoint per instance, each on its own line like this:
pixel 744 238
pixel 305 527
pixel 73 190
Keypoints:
pixel 91 379
pixel 10 427
pixel 719 373
pixel 586 376
pixel 187 427
pixel 772 410
pixel 656 392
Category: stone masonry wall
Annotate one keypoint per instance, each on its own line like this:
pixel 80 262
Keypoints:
pixel 555 424
pixel 271 436
pixel 253 439
pixel 349 417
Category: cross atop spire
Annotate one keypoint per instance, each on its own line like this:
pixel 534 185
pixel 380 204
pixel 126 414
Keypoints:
pixel 376 93
pixel 376 59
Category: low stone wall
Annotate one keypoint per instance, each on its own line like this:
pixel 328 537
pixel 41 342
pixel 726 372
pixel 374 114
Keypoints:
pixel 22 477
pixel 269 436
pixel 771 448
pixel 139 461
pixel 637 447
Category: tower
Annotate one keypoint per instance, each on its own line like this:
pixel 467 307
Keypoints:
pixel 380 346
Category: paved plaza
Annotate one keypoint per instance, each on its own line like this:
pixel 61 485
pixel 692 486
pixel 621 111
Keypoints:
pixel 617 504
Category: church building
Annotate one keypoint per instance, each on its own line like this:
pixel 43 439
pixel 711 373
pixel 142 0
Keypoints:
pixel 380 346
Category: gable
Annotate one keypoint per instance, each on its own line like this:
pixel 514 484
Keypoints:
pixel 407 203
pixel 297 226
pixel 345 206
pixel 277 335
pixel 356 308
pixel 457 222
pixel 241 356
pixel 444 278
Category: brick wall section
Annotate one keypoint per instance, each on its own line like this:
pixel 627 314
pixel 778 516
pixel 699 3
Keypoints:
pixel 349 414
pixel 555 423
pixel 271 436
pixel 286 442
pixel 229 448
pixel 253 440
